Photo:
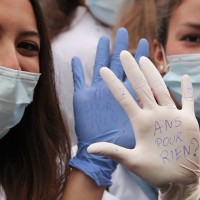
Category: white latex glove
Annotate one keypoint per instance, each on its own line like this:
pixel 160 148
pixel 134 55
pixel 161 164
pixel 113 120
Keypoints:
pixel 167 139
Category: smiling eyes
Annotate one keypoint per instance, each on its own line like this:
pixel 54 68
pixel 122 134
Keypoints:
pixel 28 49
pixel 195 38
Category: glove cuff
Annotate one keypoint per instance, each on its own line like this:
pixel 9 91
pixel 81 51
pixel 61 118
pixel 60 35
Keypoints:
pixel 99 168
pixel 93 171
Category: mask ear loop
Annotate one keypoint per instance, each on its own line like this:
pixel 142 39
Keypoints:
pixel 166 67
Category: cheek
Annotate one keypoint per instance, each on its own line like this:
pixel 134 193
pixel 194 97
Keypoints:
pixel 30 64
pixel 174 49
pixel 179 47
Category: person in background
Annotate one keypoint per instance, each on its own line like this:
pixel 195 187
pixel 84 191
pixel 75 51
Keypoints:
pixel 140 21
pixel 74 31
pixel 75 28
pixel 166 34
pixel 177 26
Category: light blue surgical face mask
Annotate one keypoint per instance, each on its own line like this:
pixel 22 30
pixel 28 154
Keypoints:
pixel 178 66
pixel 106 11
pixel 16 92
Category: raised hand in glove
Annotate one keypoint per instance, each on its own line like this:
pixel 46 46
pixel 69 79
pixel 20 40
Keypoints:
pixel 98 116
pixel 167 153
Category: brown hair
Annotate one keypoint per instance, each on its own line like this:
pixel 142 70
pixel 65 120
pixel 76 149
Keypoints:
pixel 147 19
pixel 34 154
pixel 59 14
pixel 140 21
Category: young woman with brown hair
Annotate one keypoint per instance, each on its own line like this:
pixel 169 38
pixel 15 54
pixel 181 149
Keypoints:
pixel 35 145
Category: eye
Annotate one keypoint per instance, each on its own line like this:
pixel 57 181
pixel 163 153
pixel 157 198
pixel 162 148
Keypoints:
pixel 192 38
pixel 28 48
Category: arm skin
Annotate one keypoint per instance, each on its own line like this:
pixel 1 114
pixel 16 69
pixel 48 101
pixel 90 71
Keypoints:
pixel 81 187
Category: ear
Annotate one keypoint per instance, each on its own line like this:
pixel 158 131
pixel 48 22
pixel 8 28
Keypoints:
pixel 158 56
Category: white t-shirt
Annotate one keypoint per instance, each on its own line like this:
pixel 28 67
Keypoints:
pixel 2 194
pixel 81 41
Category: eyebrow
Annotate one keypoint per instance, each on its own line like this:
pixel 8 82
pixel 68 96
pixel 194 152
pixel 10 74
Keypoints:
pixel 30 33
pixel 196 26
pixel 25 33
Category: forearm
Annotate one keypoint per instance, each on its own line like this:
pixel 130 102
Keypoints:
pixel 81 187
pixel 180 192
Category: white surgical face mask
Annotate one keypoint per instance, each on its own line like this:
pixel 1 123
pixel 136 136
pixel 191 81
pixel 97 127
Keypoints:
pixel 16 92
pixel 180 65
pixel 106 11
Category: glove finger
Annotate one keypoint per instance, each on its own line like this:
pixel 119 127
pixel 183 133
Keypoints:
pixel 113 151
pixel 130 89
pixel 102 58
pixel 119 91
pixel 121 43
pixel 142 49
pixel 187 94
pixel 78 75
pixel 137 80
pixel 156 83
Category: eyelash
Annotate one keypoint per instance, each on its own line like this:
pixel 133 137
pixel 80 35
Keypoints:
pixel 28 48
pixel 195 38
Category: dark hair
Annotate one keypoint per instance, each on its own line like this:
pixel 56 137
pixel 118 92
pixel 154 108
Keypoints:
pixel 34 154
pixel 59 14
pixel 165 9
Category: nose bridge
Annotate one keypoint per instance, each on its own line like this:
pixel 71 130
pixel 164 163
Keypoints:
pixel 8 55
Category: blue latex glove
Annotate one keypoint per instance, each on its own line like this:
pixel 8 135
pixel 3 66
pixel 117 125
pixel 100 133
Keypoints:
pixel 98 116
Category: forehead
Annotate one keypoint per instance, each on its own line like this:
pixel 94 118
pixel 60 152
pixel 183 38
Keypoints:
pixel 186 12
pixel 16 14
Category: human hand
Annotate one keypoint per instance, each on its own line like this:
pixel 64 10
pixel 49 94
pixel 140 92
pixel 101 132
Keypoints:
pixel 167 139
pixel 98 116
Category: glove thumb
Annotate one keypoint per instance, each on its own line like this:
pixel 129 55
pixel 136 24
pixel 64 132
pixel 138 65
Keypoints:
pixel 112 151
